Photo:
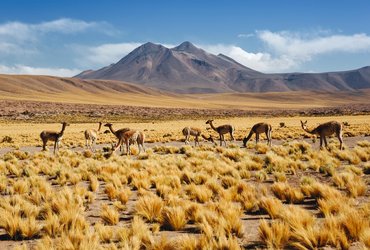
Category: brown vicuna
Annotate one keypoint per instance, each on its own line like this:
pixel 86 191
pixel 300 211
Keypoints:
pixel 196 132
pixel 258 129
pixel 221 130
pixel 54 136
pixel 91 136
pixel 326 129
pixel 130 137
pixel 117 133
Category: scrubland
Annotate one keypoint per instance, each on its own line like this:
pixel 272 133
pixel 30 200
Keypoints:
pixel 288 196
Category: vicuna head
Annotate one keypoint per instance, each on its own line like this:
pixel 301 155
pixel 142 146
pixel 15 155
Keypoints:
pixel 304 124
pixel 245 140
pixel 108 125
pixel 209 121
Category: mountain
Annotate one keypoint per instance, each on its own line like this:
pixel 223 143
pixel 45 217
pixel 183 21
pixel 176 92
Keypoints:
pixel 188 69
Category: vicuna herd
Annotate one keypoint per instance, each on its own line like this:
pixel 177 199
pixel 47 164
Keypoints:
pixel 129 136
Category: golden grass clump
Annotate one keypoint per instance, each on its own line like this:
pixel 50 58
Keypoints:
pixel 124 195
pixel 276 163
pixel 187 242
pixel 318 190
pixel 199 193
pixel 94 183
pixel 150 208
pixel 272 206
pixel 140 234
pixel 246 195
pixel 21 186
pixel 261 148
pixel 275 234
pixel 332 206
pixel 353 184
pixel 297 216
pixel 109 215
pixel 347 155
pixel 174 218
pixel 111 191
pixel 236 155
pixel 106 233
pixel 285 192
pixel 163 243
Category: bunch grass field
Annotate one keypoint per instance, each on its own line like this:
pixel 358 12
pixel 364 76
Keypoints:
pixel 288 196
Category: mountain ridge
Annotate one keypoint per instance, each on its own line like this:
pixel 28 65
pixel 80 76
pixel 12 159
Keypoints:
pixel 189 69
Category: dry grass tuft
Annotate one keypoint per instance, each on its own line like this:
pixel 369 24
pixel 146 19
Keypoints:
pixel 272 206
pixel 109 215
pixel 285 192
pixel 150 208
pixel 354 184
pixel 275 234
pixel 174 218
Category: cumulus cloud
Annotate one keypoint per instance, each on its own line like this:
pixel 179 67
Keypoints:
pixel 261 61
pixel 245 35
pixel 28 70
pixel 108 53
pixel 21 43
pixel 18 31
pixel 287 51
pixel 303 47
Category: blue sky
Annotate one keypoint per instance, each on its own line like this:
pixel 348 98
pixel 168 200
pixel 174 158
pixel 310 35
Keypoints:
pixel 66 37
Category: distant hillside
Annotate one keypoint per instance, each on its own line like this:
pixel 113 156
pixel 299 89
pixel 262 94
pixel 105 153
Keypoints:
pixel 72 90
pixel 49 88
pixel 188 69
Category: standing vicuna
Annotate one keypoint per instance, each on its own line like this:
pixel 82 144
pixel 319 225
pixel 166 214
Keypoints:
pixel 258 129
pixel 326 129
pixel 221 130
pixel 53 136
pixel 196 132
pixel 130 137
pixel 117 133
pixel 91 136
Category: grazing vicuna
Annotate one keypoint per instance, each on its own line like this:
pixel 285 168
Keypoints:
pixel 91 136
pixel 54 136
pixel 221 130
pixel 117 133
pixel 130 137
pixel 196 132
pixel 258 129
pixel 326 129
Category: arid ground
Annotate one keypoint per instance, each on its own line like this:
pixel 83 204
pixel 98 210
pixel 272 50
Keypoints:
pixel 177 196
pixel 290 195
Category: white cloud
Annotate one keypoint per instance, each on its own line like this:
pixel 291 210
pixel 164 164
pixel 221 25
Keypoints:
pixel 108 53
pixel 287 51
pixel 66 25
pixel 27 70
pixel 260 61
pixel 245 35
pixel 302 47
pixel 18 31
